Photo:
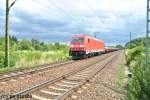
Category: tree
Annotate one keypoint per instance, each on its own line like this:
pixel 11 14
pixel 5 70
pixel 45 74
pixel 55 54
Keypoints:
pixel 13 38
pixel 25 45
pixel 2 43
pixel 36 44
pixel 136 42
pixel 119 46
pixel 57 45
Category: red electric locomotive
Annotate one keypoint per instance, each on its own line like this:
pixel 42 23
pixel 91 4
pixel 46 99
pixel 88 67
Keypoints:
pixel 83 46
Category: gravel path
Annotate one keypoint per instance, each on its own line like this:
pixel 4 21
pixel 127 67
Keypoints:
pixel 22 83
pixel 102 86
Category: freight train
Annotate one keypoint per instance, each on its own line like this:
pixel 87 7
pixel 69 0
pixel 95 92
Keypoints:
pixel 83 46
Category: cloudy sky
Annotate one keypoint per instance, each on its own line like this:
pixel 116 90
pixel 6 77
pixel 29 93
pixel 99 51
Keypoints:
pixel 58 20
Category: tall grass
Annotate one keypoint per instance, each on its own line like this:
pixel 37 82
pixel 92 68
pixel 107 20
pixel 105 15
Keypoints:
pixel 27 59
pixel 121 77
pixel 139 86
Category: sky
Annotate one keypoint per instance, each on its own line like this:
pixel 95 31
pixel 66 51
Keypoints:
pixel 58 20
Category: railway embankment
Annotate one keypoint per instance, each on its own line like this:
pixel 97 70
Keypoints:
pixel 26 60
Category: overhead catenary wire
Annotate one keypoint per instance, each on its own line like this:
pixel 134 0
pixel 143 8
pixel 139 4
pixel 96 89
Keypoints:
pixel 61 9
pixel 66 5
pixel 49 8
pixel 95 13
pixel 86 2
pixel 93 10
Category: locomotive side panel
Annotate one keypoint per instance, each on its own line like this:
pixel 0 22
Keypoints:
pixel 85 46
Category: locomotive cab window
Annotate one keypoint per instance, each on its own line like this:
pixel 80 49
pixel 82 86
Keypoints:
pixel 77 40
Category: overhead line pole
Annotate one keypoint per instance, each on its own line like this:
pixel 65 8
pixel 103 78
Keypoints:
pixel 7 35
pixel 7 60
pixel 130 39
pixel 95 34
pixel 147 34
pixel 130 36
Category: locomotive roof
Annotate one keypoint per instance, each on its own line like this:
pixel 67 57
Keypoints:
pixel 83 36
pixel 79 36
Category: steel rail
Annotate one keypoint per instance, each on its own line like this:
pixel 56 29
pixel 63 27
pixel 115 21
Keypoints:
pixel 47 66
pixel 32 71
pixel 67 93
pixel 27 69
pixel 46 83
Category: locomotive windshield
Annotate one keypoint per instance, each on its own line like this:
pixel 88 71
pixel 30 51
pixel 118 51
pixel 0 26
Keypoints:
pixel 77 40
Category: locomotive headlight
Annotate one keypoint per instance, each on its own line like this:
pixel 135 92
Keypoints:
pixel 81 46
pixel 72 46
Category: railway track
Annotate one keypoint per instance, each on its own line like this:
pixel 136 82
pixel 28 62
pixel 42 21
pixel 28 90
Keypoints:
pixel 60 87
pixel 16 74
pixel 38 66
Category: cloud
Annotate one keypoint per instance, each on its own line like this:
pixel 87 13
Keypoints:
pixel 58 20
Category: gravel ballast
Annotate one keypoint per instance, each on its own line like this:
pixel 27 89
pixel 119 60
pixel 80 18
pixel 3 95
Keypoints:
pixel 103 85
pixel 12 86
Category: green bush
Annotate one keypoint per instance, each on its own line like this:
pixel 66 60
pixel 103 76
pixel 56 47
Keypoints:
pixel 139 86
pixel 133 54
pixel 1 59
pixel 13 58
pixel 29 53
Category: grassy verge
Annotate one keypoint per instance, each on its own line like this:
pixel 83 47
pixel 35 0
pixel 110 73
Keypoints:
pixel 120 82
pixel 138 87
pixel 21 60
